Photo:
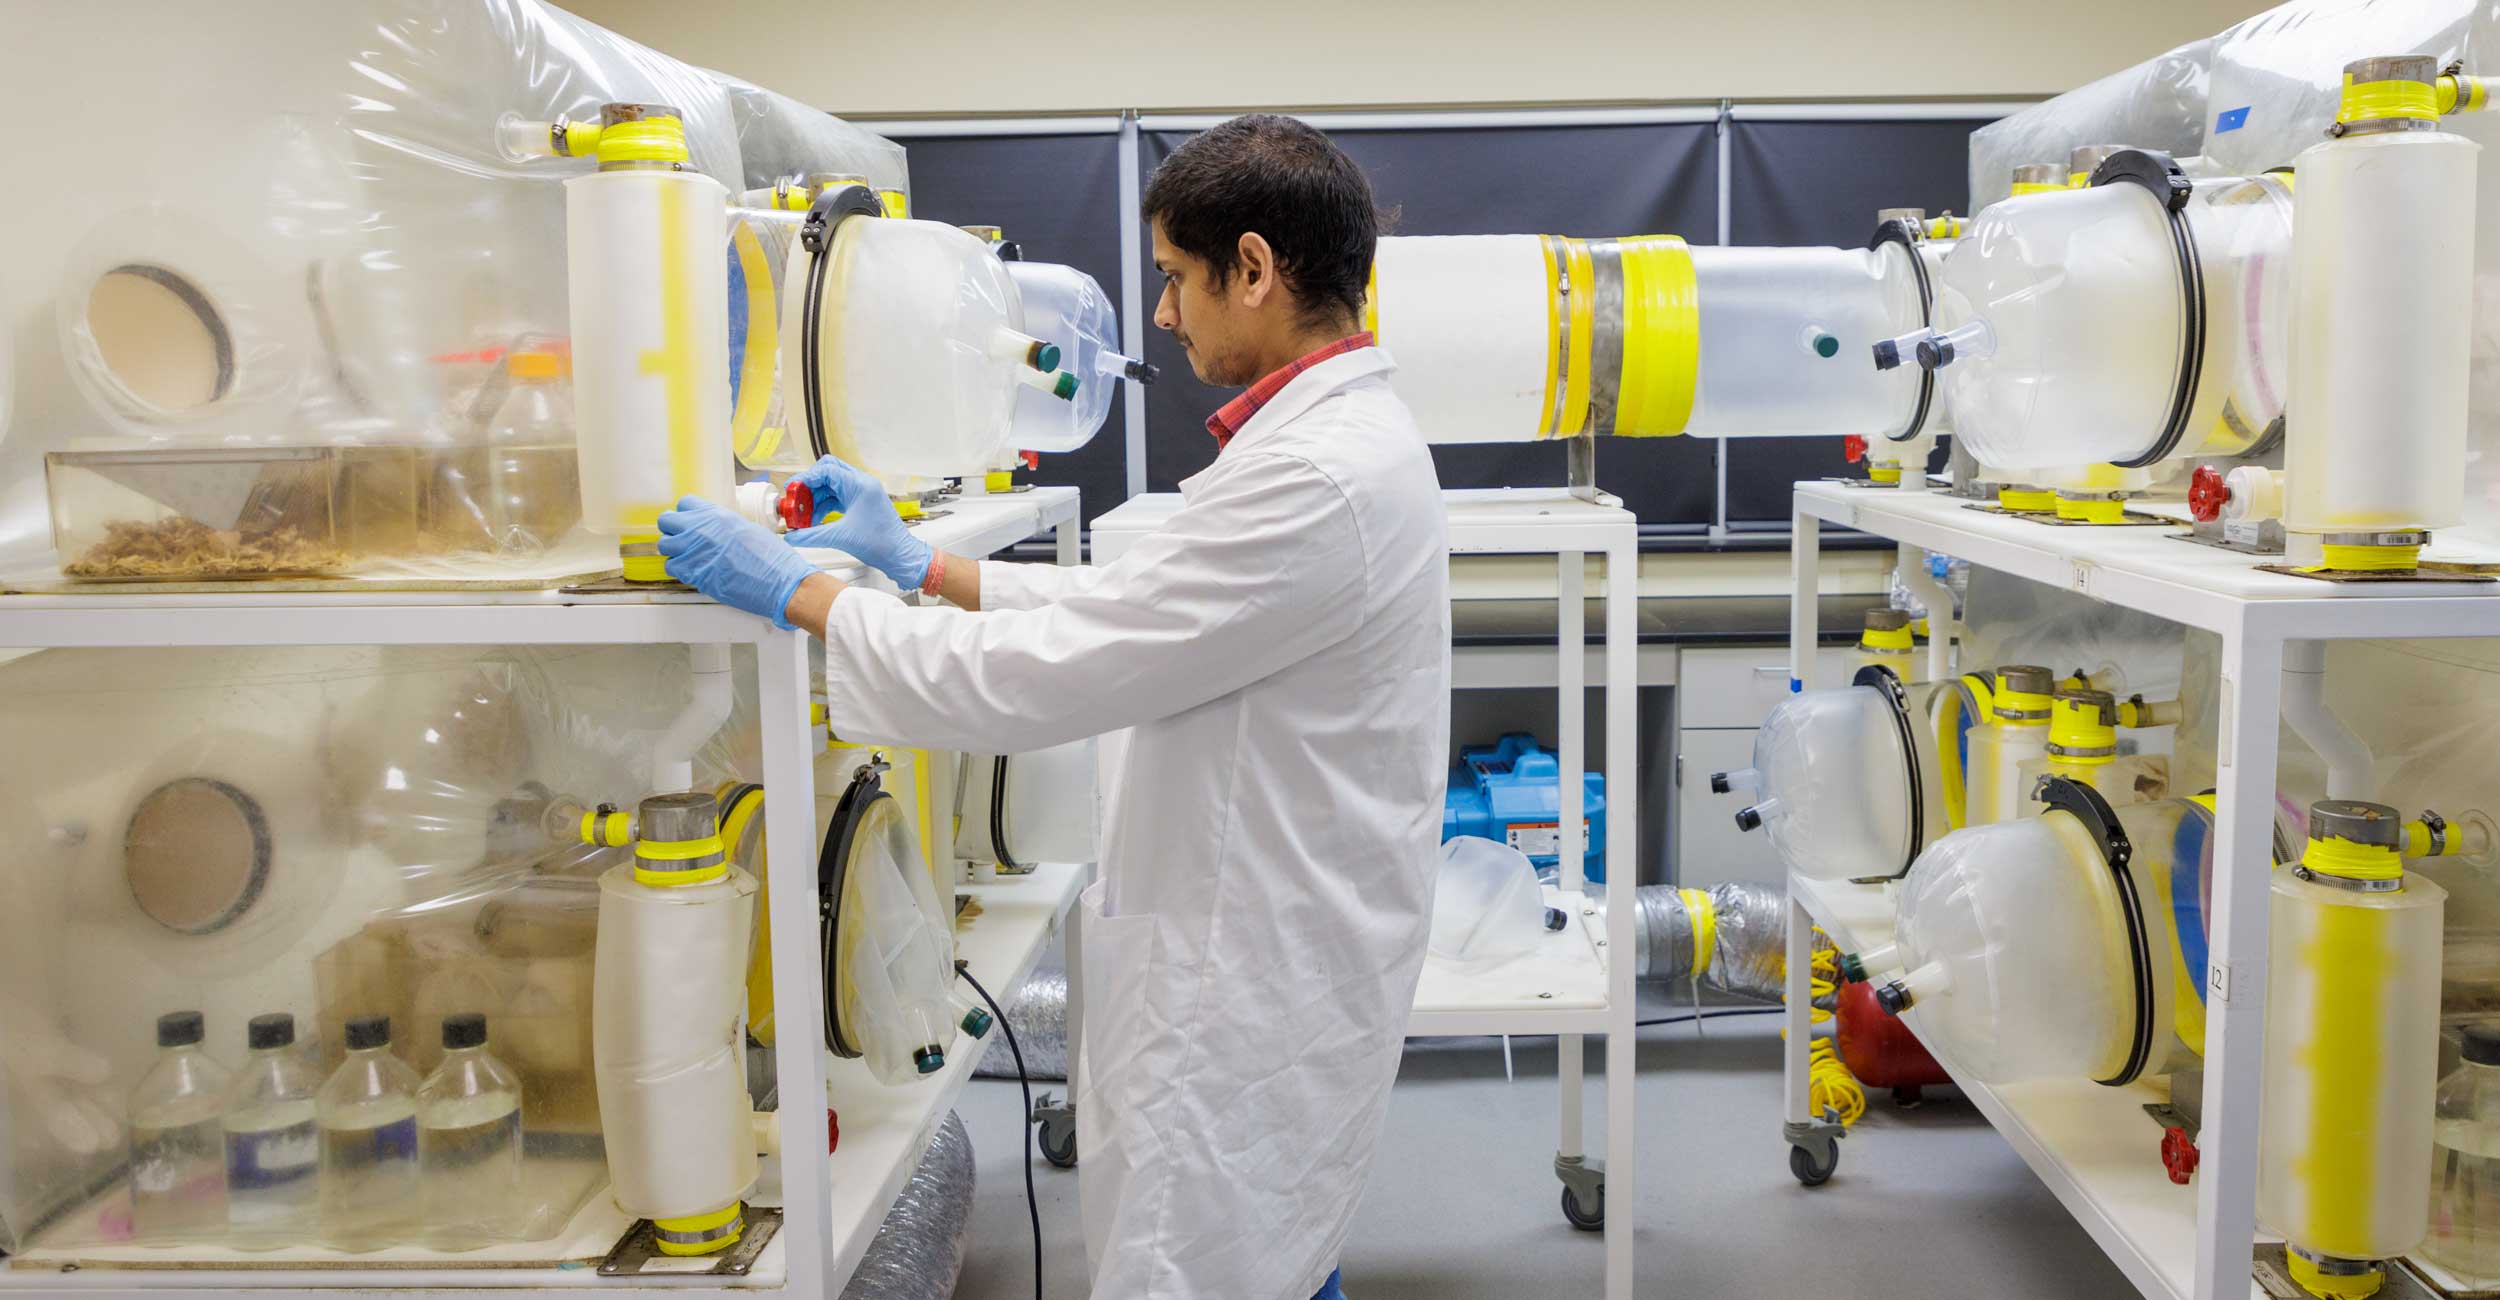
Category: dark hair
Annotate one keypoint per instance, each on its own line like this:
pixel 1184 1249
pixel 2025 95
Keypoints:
pixel 1291 184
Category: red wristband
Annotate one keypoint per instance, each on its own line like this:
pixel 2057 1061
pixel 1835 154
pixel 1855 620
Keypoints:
pixel 937 573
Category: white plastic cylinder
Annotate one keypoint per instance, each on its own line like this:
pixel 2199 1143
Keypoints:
pixel 2384 255
pixel 917 377
pixel 667 1037
pixel 1992 776
pixel 1469 320
pixel 2351 1065
pixel 2256 493
pixel 650 343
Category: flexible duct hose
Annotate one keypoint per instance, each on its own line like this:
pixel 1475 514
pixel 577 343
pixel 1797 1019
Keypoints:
pixel 1736 937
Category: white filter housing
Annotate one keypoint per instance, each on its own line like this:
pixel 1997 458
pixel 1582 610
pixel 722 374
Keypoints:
pixel 668 1035
pixel 2385 260
pixel 919 347
pixel 650 298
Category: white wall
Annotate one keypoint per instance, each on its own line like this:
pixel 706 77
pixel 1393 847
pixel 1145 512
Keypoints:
pixel 869 58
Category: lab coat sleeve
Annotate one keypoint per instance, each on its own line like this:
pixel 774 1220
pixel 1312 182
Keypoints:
pixel 1031 586
pixel 1262 569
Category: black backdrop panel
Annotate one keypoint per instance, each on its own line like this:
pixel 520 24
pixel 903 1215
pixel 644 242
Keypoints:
pixel 1059 197
pixel 1822 183
pixel 1587 181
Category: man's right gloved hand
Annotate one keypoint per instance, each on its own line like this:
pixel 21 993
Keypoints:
pixel 868 529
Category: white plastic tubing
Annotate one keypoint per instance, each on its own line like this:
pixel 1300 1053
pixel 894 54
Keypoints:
pixel 672 757
pixel 2348 761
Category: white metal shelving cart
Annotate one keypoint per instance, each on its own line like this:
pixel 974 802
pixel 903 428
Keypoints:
pixel 1581 983
pixel 832 1203
pixel 2092 1145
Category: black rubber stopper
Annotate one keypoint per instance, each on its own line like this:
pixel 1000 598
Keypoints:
pixel 277 1029
pixel 2482 1044
pixel 467 1029
pixel 180 1029
pixel 366 1032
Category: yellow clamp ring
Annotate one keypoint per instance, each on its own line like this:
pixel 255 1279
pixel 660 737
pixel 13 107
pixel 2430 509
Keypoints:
pixel 2339 1286
pixel 611 829
pixel 706 859
pixel 2369 559
pixel 1705 918
pixel 2026 500
pixel 700 1234
pixel 2458 93
pixel 2337 856
pixel 1661 338
pixel 2369 101
pixel 1883 473
pixel 2022 188
pixel 2092 510
pixel 639 552
pixel 1886 638
pixel 651 139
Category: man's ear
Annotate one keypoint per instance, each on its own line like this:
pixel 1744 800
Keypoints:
pixel 1256 265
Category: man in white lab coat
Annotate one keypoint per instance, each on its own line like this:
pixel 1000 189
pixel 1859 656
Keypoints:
pixel 1280 652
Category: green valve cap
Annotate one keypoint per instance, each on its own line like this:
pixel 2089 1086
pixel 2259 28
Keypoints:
pixel 1065 389
pixel 929 1059
pixel 1046 357
pixel 1826 346
pixel 977 1023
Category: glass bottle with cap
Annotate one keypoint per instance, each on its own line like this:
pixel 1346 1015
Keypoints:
pixel 2465 1164
pixel 469 1142
pixel 368 1113
pixel 177 1138
pixel 530 491
pixel 273 1147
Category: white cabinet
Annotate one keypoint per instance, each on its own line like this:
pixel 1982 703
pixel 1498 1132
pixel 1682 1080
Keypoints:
pixel 1722 695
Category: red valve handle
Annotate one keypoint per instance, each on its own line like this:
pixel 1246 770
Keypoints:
pixel 2206 494
pixel 1853 448
pixel 798 506
pixel 2178 1154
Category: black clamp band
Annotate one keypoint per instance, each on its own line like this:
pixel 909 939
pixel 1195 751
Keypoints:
pixel 1895 694
pixel 833 865
pixel 824 216
pixel 1908 236
pixel 2169 185
pixel 2093 813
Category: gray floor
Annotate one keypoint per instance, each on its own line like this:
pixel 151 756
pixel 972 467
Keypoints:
pixel 1928 1202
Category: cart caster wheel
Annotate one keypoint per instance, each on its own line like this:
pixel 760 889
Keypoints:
pixel 1811 1172
pixel 1585 1218
pixel 1059 1145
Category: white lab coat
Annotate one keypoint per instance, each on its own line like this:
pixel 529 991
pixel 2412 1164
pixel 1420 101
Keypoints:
pixel 1281 650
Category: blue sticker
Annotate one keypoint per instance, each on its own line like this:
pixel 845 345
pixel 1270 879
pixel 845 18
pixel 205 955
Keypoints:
pixel 2231 120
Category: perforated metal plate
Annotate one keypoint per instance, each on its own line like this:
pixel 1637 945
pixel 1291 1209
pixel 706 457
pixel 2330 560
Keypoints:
pixel 638 1254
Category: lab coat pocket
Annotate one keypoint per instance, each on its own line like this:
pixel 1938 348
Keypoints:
pixel 1118 951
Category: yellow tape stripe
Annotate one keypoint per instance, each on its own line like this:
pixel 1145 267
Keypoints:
pixel 2369 559
pixel 651 139
pixel 1661 337
pixel 1582 276
pixel 763 350
pixel 2366 101
pixel 1704 916
pixel 1886 638
pixel 674 362
pixel 2339 1055
pixel 677 850
pixel 2092 511
pixel 1553 335
pixel 2027 500
pixel 2022 188
pixel 2337 856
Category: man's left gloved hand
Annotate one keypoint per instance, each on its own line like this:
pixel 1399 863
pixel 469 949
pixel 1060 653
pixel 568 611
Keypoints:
pixel 731 560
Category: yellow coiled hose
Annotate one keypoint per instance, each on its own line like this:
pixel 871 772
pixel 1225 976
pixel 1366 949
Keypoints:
pixel 1830 1088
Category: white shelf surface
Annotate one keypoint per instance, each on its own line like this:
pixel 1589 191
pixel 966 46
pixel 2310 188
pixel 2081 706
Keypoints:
pixel 1482 521
pixel 483 613
pixel 1558 989
pixel 2092 1146
pixel 884 1130
pixel 2150 569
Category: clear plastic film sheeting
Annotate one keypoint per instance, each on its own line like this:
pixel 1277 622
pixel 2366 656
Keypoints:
pixel 326 833
pixel 892 945
pixel 918 1252
pixel 780 137
pixel 2157 104
pixel 300 231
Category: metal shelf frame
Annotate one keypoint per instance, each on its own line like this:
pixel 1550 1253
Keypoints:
pixel 812 1255
pixel 2256 615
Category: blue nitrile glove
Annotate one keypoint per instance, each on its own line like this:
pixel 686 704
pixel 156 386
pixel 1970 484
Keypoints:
pixel 869 530
pixel 735 562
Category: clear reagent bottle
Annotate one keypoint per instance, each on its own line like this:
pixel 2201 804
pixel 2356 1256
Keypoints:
pixel 273 1150
pixel 2465 1164
pixel 177 1138
pixel 368 1113
pixel 469 1142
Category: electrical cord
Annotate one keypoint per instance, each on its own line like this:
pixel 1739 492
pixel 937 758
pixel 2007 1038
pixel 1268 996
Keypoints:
pixel 1720 1014
pixel 1032 1202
